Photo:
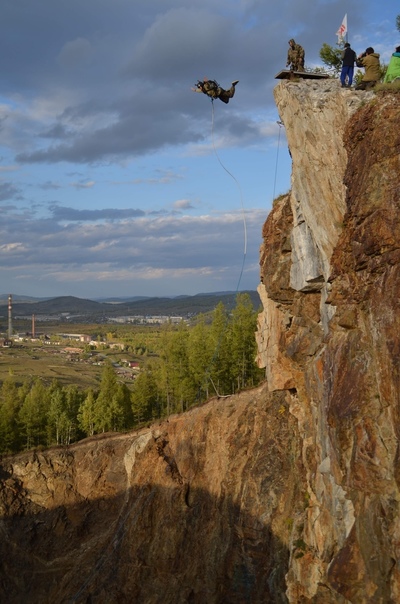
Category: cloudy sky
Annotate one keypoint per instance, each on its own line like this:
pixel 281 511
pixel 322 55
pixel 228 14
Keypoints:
pixel 115 178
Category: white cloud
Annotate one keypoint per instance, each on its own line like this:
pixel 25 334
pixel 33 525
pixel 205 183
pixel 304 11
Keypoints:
pixel 183 204
pixel 83 185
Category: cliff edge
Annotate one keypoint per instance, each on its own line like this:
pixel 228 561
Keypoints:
pixel 288 492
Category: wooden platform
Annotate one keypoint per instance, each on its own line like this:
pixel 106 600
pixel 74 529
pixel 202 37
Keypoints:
pixel 286 74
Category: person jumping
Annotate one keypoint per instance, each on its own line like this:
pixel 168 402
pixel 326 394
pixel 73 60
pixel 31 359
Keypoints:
pixel 212 89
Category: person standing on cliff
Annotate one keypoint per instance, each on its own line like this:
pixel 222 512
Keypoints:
pixel 349 57
pixel 370 61
pixel 295 56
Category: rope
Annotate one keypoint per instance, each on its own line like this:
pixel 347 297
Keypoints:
pixel 207 375
pixel 241 196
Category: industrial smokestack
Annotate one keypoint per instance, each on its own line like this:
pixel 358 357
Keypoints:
pixel 10 316
pixel 33 326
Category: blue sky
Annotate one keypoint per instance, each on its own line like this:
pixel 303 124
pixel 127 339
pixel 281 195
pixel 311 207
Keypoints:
pixel 115 178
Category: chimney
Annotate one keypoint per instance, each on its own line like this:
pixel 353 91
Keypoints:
pixel 10 316
pixel 33 326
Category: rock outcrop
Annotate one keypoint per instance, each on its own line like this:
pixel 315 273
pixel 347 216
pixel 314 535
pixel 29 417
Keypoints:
pixel 330 333
pixel 189 510
pixel 286 493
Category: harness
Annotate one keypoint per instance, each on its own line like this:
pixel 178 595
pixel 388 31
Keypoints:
pixel 211 88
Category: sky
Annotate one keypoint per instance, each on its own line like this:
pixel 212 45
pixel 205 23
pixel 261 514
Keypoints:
pixel 116 180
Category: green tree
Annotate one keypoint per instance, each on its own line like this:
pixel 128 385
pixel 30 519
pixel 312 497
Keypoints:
pixel 219 372
pixel 244 370
pixel 9 407
pixel 126 402
pixel 33 415
pixel 56 416
pixel 174 372
pixel 145 396
pixel 87 413
pixel 120 411
pixel 332 57
pixel 73 400
pixel 112 405
pixel 183 386
pixel 104 400
pixel 199 357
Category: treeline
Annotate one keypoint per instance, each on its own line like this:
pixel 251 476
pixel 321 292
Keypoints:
pixel 192 364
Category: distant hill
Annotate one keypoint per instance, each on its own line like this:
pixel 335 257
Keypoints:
pixel 184 305
pixel 63 304
pixel 91 310
pixel 16 298
pixel 116 300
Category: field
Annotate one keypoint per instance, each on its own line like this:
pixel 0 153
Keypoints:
pixel 24 361
pixel 69 362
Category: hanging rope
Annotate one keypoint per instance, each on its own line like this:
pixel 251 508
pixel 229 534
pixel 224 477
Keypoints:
pixel 207 376
pixel 241 196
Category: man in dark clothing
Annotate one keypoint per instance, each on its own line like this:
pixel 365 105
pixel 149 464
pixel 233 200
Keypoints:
pixel 214 91
pixel 349 57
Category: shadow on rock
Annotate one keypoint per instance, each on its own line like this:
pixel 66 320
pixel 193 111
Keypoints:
pixel 149 544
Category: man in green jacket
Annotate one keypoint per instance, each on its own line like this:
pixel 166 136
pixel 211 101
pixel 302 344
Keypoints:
pixel 370 61
pixel 393 70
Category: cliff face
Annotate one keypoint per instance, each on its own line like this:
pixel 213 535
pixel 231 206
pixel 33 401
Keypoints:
pixel 289 492
pixel 190 510
pixel 330 332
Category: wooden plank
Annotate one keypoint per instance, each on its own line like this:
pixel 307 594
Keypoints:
pixel 286 74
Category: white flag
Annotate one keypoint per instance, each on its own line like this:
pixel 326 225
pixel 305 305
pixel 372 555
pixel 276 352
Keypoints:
pixel 342 31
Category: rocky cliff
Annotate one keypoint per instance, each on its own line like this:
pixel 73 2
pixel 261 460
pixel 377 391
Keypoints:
pixel 289 492
pixel 330 333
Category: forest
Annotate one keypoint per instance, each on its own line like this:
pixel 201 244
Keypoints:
pixel 214 356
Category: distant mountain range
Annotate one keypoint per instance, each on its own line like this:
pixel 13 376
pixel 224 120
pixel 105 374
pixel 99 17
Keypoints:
pixel 116 307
